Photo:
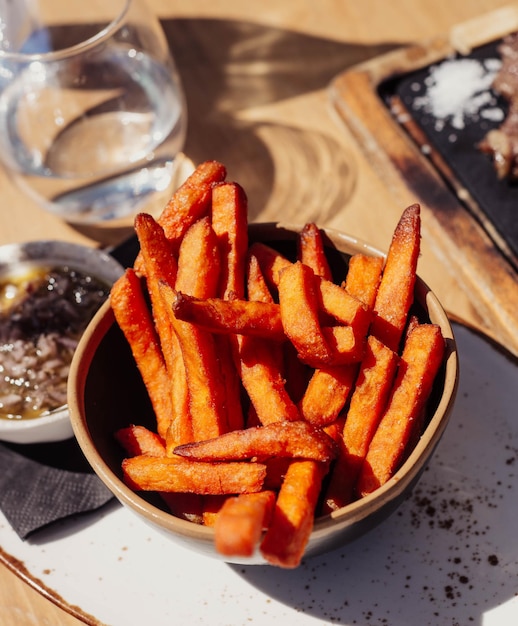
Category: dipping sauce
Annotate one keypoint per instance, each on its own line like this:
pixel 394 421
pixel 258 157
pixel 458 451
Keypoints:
pixel 43 312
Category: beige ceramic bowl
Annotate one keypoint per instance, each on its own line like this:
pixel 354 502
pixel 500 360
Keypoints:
pixel 105 393
pixel 54 425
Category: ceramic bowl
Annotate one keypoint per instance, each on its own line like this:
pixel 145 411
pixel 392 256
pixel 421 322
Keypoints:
pixel 105 393
pixel 54 425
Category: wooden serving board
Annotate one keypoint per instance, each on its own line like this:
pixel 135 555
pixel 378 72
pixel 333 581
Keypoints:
pixel 469 233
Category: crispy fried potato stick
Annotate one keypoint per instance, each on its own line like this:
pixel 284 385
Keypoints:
pixel 257 289
pixel 207 400
pixel 299 306
pixel 280 439
pixel 134 319
pixel 368 401
pixel 259 319
pixel 330 387
pixel 160 264
pixel 344 307
pixel 260 363
pixel 311 250
pixel 326 394
pixel 199 261
pixel 293 515
pixel 241 521
pixel 192 199
pixel 226 346
pixel 172 474
pixel 396 290
pixel 346 343
pixel 230 223
pixel 188 203
pixel 198 275
pixel 422 356
pixel 270 261
pixel 259 366
pixel 138 440
pixel 363 278
pixel 334 301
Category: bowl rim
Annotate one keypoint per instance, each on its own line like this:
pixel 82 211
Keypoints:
pixel 58 251
pixel 349 514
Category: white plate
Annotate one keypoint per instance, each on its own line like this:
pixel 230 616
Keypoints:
pixel 448 556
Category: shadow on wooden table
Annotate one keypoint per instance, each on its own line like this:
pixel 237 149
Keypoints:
pixel 233 72
pixel 241 80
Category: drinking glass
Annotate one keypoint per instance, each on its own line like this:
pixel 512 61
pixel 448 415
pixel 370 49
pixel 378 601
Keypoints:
pixel 92 113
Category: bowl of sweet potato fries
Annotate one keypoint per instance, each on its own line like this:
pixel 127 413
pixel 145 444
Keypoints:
pixel 262 393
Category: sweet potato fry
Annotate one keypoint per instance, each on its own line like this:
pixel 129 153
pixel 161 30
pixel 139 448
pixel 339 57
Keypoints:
pixel 259 319
pixel 241 521
pixel 155 246
pixel 171 474
pixel 311 250
pixel 347 345
pixel 199 261
pixel 257 289
pixel 230 223
pixel 134 319
pixel 226 347
pixel 281 439
pixel 138 440
pixel 207 399
pixel 270 261
pixel 293 514
pixel 191 200
pixel 368 401
pixel 259 366
pixel 363 278
pixel 396 290
pixel 327 393
pixel 160 264
pixel 180 425
pixel 260 363
pixel 343 307
pixel 330 387
pixel 198 275
pixel 300 314
pixel 334 300
pixel 188 203
pixel 422 356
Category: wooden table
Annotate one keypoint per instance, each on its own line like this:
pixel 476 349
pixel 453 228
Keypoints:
pixel 256 78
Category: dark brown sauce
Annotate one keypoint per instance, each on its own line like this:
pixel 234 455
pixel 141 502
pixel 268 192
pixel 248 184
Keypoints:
pixel 43 312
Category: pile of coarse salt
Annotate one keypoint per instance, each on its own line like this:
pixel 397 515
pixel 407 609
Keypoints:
pixel 458 90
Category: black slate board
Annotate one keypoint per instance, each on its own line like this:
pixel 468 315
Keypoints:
pixel 497 200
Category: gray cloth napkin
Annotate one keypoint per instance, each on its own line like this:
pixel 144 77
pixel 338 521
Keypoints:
pixel 40 484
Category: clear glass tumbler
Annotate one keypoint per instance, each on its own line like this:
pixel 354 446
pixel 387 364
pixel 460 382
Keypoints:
pixel 92 113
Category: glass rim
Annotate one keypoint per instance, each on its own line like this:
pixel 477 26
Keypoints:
pixel 104 33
